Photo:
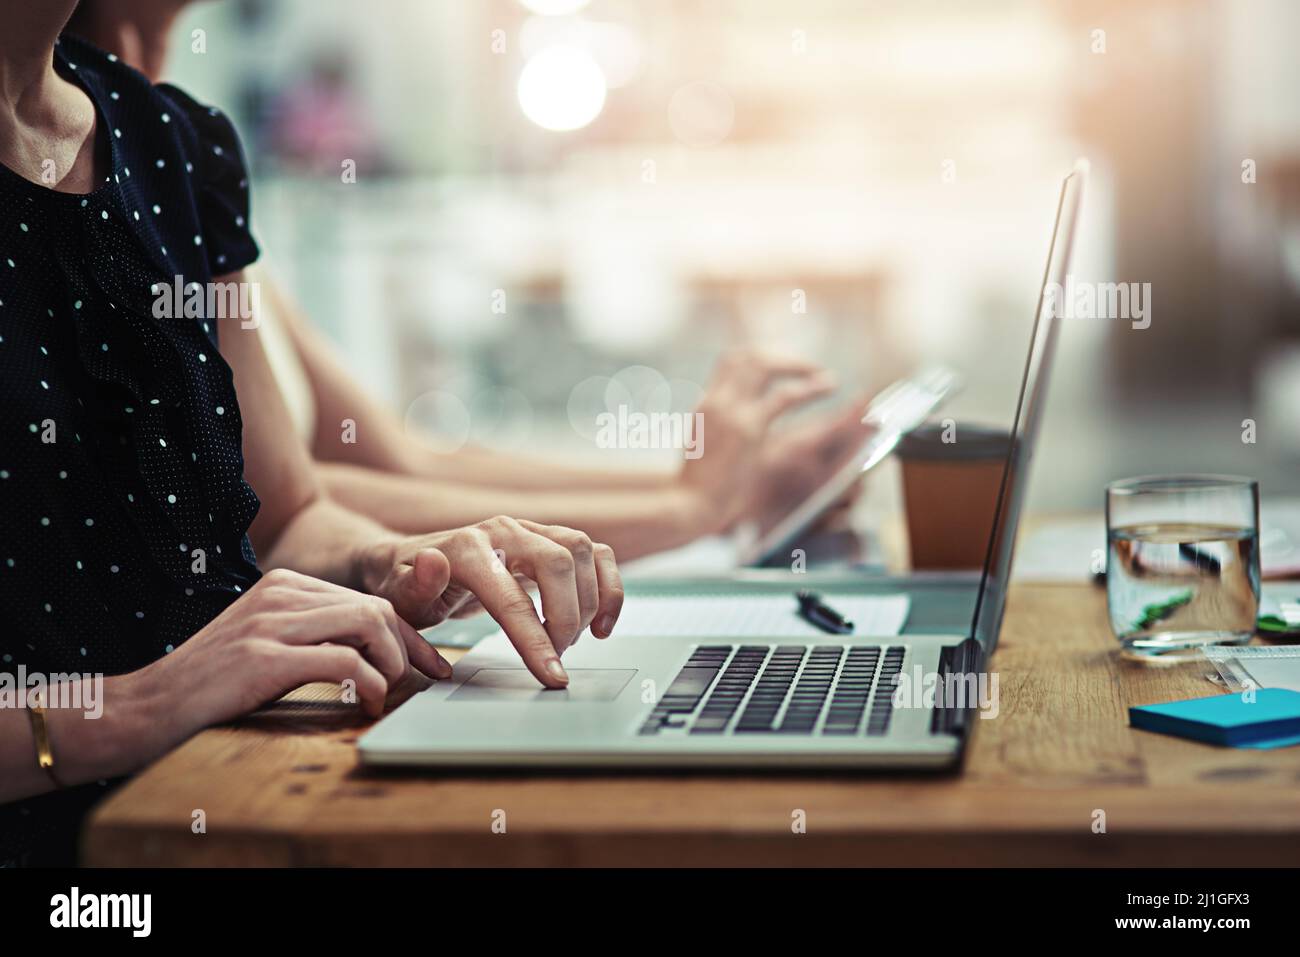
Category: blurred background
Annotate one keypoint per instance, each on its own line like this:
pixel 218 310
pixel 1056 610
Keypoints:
pixel 552 196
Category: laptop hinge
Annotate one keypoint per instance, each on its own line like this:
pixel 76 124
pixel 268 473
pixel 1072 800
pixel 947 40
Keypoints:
pixel 960 667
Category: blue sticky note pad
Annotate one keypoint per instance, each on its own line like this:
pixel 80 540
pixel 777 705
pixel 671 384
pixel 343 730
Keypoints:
pixel 1271 719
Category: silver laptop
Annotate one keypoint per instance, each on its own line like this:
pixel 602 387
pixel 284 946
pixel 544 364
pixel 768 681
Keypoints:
pixel 676 700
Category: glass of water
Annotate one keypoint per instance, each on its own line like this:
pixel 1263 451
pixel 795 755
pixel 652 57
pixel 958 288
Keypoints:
pixel 1182 563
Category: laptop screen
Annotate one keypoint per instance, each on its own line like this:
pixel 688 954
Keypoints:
pixel 1029 412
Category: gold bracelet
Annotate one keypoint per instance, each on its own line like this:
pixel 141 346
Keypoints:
pixel 41 735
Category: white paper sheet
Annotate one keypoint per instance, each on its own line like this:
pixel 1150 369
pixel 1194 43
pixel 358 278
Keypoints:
pixel 1062 551
pixel 754 616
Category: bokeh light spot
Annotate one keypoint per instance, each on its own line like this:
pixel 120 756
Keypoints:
pixel 562 88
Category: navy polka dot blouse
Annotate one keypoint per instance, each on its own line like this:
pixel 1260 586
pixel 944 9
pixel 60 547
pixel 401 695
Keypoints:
pixel 123 509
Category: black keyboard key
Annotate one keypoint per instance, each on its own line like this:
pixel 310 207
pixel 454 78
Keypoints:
pixel 771 690
pixel 691 682
pixel 687 688
pixel 810 691
pixel 882 701
pixel 730 690
pixel 838 687
pixel 848 704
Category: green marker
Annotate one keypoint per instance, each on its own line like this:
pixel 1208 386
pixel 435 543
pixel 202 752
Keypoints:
pixel 1154 614
pixel 1285 620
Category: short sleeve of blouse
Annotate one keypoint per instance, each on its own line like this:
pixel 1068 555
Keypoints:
pixel 221 182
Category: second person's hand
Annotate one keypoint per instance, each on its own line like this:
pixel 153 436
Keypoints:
pixel 750 391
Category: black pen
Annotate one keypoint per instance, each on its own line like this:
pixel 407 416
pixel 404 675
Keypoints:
pixel 820 615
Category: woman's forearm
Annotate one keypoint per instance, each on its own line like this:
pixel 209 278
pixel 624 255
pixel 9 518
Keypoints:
pixel 476 466
pixel 633 523
pixel 353 429
pixel 326 540
pixel 128 733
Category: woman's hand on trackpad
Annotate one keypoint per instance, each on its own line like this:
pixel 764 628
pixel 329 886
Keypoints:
pixel 429 578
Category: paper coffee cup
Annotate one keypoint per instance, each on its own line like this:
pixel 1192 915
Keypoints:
pixel 951 479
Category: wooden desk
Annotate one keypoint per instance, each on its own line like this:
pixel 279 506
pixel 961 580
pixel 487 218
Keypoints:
pixel 284 787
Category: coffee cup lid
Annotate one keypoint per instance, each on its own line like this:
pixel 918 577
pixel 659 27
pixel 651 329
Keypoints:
pixel 957 442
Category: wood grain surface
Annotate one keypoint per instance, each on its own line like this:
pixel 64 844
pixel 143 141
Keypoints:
pixel 284 788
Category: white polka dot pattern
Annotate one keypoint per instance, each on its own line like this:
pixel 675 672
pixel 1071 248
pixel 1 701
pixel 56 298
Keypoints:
pixel 123 509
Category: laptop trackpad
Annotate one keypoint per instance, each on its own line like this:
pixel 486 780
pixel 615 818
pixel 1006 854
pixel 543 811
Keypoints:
pixel 516 684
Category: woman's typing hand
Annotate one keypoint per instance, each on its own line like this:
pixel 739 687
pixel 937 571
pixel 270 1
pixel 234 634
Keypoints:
pixel 289 630
pixel 429 578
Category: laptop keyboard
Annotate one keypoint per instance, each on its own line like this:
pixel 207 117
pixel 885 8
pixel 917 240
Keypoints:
pixel 782 689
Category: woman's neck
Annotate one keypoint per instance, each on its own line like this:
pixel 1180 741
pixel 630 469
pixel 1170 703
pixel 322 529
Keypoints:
pixel 27 51
pixel 137 32
pixel 44 119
